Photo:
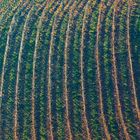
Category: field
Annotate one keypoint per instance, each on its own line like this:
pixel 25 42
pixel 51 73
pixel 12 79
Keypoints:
pixel 69 70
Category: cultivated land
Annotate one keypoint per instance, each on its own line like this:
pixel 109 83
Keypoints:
pixel 70 70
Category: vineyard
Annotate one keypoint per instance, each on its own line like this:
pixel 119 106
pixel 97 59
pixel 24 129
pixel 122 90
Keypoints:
pixel 69 70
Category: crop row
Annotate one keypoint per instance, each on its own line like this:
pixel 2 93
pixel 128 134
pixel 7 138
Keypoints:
pixel 69 70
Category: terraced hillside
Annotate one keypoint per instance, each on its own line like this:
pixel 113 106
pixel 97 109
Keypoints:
pixel 69 69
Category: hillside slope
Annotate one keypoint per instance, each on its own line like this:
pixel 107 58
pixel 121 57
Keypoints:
pixel 69 70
